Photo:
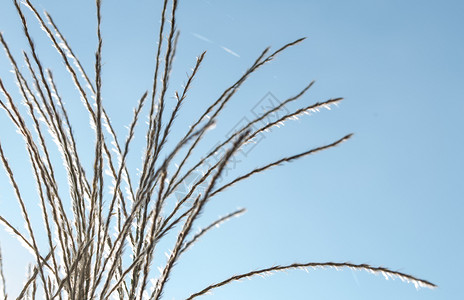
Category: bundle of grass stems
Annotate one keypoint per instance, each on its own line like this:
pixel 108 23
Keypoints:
pixel 105 248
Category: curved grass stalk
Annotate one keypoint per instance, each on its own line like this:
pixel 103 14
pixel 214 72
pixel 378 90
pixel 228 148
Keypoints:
pixel 375 270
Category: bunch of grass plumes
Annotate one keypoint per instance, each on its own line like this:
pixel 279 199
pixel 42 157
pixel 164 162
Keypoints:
pixel 86 255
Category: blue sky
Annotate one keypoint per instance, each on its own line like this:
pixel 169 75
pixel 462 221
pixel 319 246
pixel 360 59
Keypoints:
pixel 391 196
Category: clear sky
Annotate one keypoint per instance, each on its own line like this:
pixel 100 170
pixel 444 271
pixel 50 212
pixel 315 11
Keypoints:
pixel 391 196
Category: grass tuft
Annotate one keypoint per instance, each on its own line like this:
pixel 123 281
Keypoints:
pixel 98 245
